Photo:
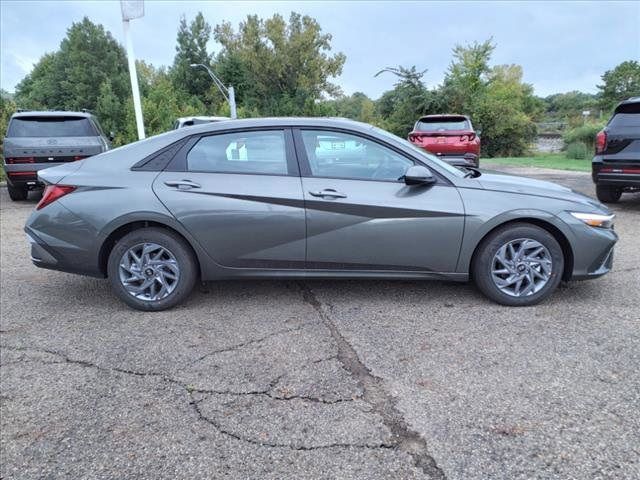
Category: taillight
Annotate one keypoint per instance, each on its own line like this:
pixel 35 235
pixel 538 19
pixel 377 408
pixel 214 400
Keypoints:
pixel 601 141
pixel 53 193
pixel 21 160
pixel 79 157
pixel 467 138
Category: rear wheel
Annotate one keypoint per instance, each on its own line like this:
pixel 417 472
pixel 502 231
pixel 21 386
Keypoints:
pixel 17 192
pixel 608 193
pixel 518 265
pixel 152 269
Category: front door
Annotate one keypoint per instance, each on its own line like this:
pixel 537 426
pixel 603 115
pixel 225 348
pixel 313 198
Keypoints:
pixel 360 216
pixel 240 196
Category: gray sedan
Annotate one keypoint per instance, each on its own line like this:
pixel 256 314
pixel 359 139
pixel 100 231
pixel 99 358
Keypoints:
pixel 254 199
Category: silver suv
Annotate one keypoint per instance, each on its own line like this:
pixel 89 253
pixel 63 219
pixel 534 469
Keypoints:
pixel 39 140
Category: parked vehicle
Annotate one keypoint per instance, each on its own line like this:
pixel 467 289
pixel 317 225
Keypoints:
pixel 616 164
pixel 450 137
pixel 155 215
pixel 191 121
pixel 38 140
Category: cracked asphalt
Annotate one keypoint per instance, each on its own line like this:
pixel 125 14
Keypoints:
pixel 326 379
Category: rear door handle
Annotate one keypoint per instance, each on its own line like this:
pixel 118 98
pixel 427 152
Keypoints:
pixel 328 192
pixel 182 184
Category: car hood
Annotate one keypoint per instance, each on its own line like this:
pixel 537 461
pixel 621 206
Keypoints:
pixel 502 182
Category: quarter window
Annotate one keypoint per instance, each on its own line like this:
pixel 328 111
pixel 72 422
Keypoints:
pixel 342 155
pixel 242 152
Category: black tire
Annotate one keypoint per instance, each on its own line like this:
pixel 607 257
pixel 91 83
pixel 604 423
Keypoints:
pixel 176 245
pixel 17 193
pixel 483 262
pixel 608 193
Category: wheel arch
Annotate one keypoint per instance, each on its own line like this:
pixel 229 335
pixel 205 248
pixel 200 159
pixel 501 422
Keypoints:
pixel 556 232
pixel 118 229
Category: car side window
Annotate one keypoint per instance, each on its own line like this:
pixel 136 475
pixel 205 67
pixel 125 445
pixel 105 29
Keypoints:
pixel 342 155
pixel 260 152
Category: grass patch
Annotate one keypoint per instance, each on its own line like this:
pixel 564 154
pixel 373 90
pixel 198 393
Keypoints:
pixel 555 161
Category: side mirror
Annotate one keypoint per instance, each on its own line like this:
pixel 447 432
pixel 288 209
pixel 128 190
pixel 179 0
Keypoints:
pixel 418 175
pixel 112 136
pixel 478 132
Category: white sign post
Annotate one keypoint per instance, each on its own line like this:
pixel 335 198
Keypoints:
pixel 133 9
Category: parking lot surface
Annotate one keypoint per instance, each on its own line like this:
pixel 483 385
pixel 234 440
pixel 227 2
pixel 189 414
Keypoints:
pixel 296 379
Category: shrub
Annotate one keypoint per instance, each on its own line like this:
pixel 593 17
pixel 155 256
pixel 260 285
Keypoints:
pixel 577 151
pixel 585 134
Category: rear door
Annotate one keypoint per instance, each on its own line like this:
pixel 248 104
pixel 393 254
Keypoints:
pixel 240 195
pixel 361 216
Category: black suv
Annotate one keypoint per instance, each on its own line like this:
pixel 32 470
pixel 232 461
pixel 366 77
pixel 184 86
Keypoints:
pixel 38 140
pixel 616 164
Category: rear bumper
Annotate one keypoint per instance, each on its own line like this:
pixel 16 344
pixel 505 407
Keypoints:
pixel 619 173
pixel 26 174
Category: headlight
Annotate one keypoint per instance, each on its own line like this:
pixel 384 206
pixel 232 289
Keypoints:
pixel 595 219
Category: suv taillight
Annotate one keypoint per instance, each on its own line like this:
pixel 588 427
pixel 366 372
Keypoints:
pixel 601 141
pixel 53 193
pixel 21 160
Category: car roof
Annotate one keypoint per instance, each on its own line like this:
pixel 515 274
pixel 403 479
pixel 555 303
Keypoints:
pixel 50 113
pixel 327 122
pixel 201 117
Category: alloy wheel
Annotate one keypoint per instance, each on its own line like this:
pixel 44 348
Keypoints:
pixel 149 271
pixel 521 267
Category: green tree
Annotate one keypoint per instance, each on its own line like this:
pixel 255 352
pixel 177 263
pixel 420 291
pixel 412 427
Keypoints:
pixel 7 108
pixel 89 70
pixel 278 68
pixel 496 99
pixel 619 84
pixel 191 48
pixel 400 107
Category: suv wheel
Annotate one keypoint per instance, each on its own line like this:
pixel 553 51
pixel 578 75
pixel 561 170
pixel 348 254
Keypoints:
pixel 608 193
pixel 17 193
pixel 152 269
pixel 518 265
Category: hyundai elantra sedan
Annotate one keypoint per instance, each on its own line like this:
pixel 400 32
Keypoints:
pixel 262 198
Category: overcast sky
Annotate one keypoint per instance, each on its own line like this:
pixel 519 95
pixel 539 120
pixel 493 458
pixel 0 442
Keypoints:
pixel 561 46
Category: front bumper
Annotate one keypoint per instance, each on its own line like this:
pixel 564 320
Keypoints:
pixel 592 249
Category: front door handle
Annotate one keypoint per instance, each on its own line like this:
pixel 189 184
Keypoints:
pixel 182 184
pixel 328 192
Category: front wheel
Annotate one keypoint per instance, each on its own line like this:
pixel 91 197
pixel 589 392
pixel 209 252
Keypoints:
pixel 518 265
pixel 152 269
pixel 608 193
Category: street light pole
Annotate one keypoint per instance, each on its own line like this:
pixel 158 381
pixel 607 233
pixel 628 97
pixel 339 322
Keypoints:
pixel 130 10
pixel 229 93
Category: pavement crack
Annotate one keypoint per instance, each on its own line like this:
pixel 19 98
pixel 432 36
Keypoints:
pixel 382 403
pixel 239 346
pixel 196 407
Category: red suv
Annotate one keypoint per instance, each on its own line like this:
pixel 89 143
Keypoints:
pixel 451 137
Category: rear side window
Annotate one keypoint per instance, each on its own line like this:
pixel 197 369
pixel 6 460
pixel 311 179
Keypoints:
pixel 242 152
pixel 625 120
pixel 51 127
pixel 442 124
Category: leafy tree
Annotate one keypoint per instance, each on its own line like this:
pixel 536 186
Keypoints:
pixel 70 78
pixel 619 84
pixel 278 68
pixel 192 48
pixel 495 98
pixel 564 106
pixel 356 107
pixel 7 108
pixel 408 100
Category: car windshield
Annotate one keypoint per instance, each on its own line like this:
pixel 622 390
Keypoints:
pixel 442 124
pixel 51 127
pixel 421 152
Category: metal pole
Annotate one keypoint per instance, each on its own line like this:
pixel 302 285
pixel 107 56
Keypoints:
pixel 232 102
pixel 135 90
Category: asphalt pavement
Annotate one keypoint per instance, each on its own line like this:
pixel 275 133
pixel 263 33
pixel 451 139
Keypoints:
pixel 320 379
